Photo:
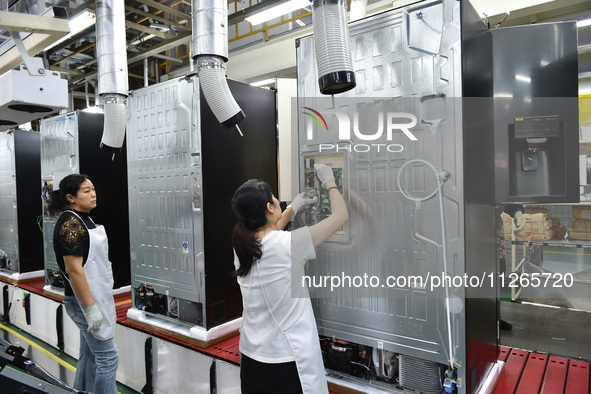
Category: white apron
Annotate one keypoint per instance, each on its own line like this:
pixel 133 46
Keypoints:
pixel 305 346
pixel 99 276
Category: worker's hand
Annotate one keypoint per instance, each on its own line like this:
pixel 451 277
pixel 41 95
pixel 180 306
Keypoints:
pixel 299 201
pixel 324 173
pixel 93 316
pixel 519 221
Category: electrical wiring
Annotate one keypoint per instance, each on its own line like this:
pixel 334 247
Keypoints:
pixel 364 366
pixel 486 20
pixel 440 178
pixel 39 221
pixel 503 20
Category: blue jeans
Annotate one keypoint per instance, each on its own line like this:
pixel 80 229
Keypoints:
pixel 98 360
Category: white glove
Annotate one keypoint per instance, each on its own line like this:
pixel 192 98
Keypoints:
pixel 519 221
pixel 299 201
pixel 93 316
pixel 324 173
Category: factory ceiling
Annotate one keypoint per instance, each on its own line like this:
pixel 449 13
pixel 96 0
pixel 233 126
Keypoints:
pixel 159 34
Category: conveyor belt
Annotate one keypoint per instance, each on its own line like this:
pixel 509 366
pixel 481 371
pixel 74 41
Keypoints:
pixel 555 378
pixel 529 372
pixel 227 350
pixel 577 379
pixel 533 374
pixel 524 372
pixel 514 367
pixel 37 288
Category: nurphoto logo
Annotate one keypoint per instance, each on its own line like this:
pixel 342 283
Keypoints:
pixel 393 121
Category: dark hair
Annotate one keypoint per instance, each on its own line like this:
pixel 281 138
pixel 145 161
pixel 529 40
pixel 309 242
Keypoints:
pixel 250 207
pixel 69 185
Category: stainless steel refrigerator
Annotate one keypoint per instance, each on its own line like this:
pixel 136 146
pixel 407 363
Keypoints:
pixel 70 144
pixel 184 168
pixel 21 240
pixel 412 150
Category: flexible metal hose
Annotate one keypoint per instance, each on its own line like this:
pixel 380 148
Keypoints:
pixel 333 52
pixel 212 78
pixel 112 70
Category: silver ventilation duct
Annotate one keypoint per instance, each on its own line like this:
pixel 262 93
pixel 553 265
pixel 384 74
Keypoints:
pixel 112 70
pixel 331 40
pixel 210 50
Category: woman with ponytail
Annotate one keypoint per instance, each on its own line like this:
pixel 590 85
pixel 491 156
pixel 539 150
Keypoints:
pixel 279 345
pixel 81 251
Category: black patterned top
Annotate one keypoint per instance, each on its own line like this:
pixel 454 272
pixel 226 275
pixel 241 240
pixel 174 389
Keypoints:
pixel 70 238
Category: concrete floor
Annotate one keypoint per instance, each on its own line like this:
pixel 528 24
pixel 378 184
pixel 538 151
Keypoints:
pixel 557 331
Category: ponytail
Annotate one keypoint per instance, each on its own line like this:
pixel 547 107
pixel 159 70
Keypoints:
pixel 68 185
pixel 57 203
pixel 250 206
pixel 247 248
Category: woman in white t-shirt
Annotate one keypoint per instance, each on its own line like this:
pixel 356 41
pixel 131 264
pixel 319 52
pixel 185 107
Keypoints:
pixel 279 346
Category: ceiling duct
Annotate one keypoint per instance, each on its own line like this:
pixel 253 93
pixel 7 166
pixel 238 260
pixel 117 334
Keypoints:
pixel 333 52
pixel 44 95
pixel 112 70
pixel 210 48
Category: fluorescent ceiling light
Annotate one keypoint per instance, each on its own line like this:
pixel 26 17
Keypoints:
pixel 93 110
pixel 584 22
pixel 523 78
pixel 159 27
pixel 143 39
pixel 263 82
pixel 77 24
pixel 277 11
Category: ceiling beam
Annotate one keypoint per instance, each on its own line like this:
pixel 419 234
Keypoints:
pixel 46 31
pixel 65 70
pixel 16 21
pixel 74 53
pixel 240 15
pixel 168 10
pixel 87 5
pixel 181 39
pixel 142 77
pixel 148 30
pixel 75 38
pixel 169 58
pixel 157 18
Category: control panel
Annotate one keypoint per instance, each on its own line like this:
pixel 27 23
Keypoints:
pixel 537 127
pixel 315 213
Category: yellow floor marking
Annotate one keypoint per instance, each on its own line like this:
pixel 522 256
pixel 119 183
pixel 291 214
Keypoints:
pixel 42 350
